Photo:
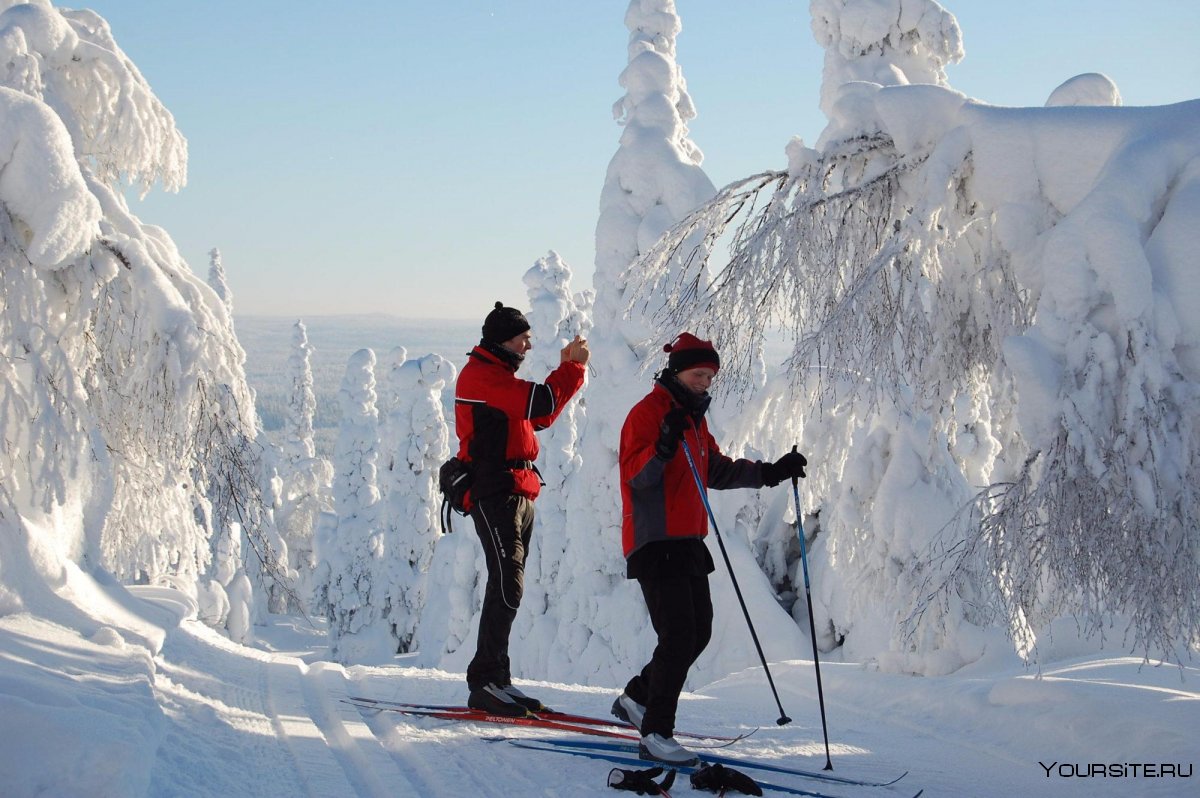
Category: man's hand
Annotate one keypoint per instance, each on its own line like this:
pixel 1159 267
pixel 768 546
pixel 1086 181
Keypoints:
pixel 577 351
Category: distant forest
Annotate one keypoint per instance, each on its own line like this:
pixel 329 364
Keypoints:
pixel 268 341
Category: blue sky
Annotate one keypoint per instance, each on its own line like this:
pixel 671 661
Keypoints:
pixel 415 158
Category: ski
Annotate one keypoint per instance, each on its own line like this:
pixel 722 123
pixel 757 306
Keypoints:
pixel 731 761
pixel 561 717
pixel 479 716
pixel 621 758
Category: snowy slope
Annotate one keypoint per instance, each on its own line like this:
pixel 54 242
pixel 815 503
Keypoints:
pixel 114 715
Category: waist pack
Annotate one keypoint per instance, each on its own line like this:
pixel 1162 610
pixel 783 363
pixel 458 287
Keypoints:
pixel 454 480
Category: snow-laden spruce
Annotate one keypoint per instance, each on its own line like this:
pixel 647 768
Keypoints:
pixel 241 480
pixel 304 478
pixel 123 402
pixel 360 572
pixel 995 366
pixel 653 180
pixel 415 441
pixel 229 600
pixel 218 281
pixel 551 633
pixel 298 444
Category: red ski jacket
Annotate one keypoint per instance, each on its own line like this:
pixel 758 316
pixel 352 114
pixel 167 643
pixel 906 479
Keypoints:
pixel 659 499
pixel 496 416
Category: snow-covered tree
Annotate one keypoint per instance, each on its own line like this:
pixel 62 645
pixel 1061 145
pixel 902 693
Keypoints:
pixel 217 280
pixel 653 181
pixel 394 421
pixel 994 365
pixel 446 631
pixel 240 479
pixel 555 320
pixel 551 565
pixel 418 444
pixel 228 599
pixel 305 478
pixel 242 483
pixel 298 446
pixel 359 576
pixel 116 356
pixel 270 564
pixel 325 547
pixel 1091 88
pixel 896 43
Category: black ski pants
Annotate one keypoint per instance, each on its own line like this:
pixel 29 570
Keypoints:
pixel 504 525
pixel 681 612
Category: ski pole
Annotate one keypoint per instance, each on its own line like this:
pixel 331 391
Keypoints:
pixel 783 718
pixel 812 626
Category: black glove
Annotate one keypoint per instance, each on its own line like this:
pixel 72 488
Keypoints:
pixel 641 781
pixel 790 466
pixel 718 778
pixel 670 432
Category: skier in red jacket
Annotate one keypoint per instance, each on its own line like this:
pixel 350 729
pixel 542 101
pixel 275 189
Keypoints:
pixel 663 529
pixel 495 417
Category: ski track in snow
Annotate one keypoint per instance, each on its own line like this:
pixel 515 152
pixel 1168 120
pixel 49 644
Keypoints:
pixel 316 766
pixel 367 766
pixel 216 700
pixel 246 722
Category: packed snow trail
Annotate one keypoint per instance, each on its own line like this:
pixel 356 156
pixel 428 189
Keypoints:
pixel 251 722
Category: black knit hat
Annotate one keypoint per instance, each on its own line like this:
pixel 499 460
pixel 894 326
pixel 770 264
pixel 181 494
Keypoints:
pixel 504 323
pixel 689 352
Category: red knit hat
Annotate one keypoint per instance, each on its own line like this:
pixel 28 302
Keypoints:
pixel 689 352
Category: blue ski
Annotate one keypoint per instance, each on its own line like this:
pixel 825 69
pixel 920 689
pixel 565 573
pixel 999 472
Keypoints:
pixel 624 759
pixel 707 756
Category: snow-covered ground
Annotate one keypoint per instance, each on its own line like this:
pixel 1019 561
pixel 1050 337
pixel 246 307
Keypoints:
pixel 112 714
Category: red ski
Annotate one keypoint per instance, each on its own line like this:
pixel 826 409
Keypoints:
pixel 563 721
